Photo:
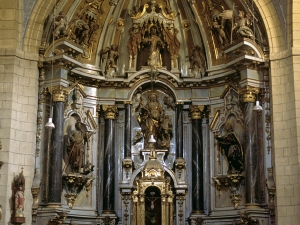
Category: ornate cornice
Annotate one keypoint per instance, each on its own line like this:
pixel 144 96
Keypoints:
pixel 110 111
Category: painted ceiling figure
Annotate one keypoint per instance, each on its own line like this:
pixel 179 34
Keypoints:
pixel 232 148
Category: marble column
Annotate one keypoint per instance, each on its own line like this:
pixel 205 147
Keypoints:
pixel 196 114
pixel 251 152
pixel 110 113
pixel 179 130
pixel 59 95
pixel 127 144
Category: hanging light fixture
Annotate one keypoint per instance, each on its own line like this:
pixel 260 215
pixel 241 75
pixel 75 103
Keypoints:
pixel 50 124
pixel 257 107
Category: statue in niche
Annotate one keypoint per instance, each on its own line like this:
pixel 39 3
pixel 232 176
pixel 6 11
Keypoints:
pixel 75 147
pixel 232 149
pixel 111 54
pixel 155 42
pixel 19 202
pixel 18 196
pixel 150 118
pixel 197 60
pixel 60 25
pixel 153 121
pixel 243 26
pixel 134 41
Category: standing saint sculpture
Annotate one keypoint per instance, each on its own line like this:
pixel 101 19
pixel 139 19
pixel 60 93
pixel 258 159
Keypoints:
pixel 232 149
pixel 153 121
pixel 75 147
pixel 19 202
pixel 156 44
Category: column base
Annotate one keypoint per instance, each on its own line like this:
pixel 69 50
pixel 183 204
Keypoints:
pixel 53 205
pixel 252 205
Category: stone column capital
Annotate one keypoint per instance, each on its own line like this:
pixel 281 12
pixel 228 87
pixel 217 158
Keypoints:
pixel 196 111
pixel 110 111
pixel 60 93
pixel 127 102
pixel 248 93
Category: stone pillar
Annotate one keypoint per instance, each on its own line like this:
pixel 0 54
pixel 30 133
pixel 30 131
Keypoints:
pixel 127 144
pixel 110 113
pixel 179 129
pixel 251 152
pixel 196 114
pixel 59 94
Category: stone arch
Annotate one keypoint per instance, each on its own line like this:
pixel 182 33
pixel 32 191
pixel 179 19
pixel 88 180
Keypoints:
pixel 272 25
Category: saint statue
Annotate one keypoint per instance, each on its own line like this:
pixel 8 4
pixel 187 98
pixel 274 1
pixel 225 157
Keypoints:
pixel 156 43
pixel 19 202
pixel 153 121
pixel 150 118
pixel 232 148
pixel 75 147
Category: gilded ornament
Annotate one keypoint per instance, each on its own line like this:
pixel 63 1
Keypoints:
pixel 248 93
pixel 196 111
pixel 60 93
pixel 120 24
pixel 110 111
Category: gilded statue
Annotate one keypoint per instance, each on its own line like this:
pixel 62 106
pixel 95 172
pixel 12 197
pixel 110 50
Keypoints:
pixel 155 42
pixel 243 25
pixel 232 149
pixel 75 147
pixel 153 121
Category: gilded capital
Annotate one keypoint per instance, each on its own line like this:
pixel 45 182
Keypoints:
pixel 60 93
pixel 110 111
pixel 248 93
pixel 127 102
pixel 196 112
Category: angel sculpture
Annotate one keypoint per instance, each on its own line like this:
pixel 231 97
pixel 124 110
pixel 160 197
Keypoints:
pixel 243 26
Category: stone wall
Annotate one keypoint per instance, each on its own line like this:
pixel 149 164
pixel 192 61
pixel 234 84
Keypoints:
pixel 18 108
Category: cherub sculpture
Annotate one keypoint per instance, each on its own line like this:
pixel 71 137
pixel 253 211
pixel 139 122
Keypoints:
pixel 243 25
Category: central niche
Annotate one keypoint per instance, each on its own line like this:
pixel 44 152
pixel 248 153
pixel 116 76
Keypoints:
pixel 152 206
pixel 153 114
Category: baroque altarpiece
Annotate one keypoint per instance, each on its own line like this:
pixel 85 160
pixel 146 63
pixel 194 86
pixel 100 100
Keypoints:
pixel 161 114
